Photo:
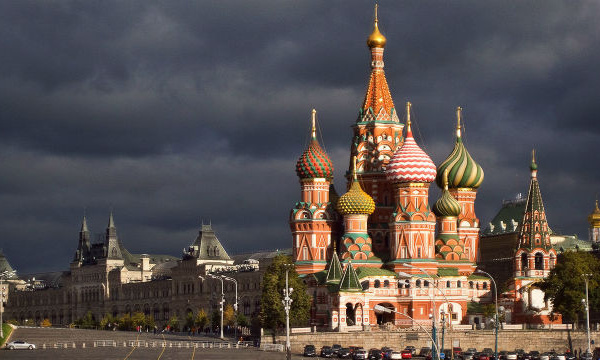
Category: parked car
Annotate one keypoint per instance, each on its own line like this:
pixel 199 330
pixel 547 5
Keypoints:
pixel 457 351
pixel 513 356
pixel 386 353
pixel 406 354
pixel 466 355
pixel 360 354
pixel 586 356
pixel 502 355
pixel 309 351
pixel 326 352
pixel 375 354
pixel 335 348
pixel 424 351
pixel 19 344
pixel 413 350
pixel 535 355
pixel 344 353
pixel 485 356
pixel 545 356
pixel 396 355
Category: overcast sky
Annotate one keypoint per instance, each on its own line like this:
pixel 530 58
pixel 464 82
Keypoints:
pixel 175 111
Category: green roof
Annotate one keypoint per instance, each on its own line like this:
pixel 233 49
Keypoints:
pixel 350 280
pixel 572 242
pixel 477 277
pixel 364 272
pixel 508 218
pixel 448 272
pixel 334 270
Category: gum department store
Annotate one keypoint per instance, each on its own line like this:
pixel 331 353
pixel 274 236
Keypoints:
pixel 380 243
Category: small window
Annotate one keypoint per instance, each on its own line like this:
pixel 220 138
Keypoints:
pixel 484 286
pixel 426 283
pixel 377 284
pixel 448 284
pixel 418 283
pixel 458 284
pixel 386 283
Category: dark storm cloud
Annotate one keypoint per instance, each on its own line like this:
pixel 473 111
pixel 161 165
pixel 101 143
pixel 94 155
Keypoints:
pixel 170 112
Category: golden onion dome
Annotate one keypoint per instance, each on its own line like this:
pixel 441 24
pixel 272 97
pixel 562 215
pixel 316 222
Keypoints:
pixel 355 201
pixel 376 39
pixel 594 218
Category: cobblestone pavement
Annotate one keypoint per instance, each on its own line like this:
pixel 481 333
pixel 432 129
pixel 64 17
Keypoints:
pixel 71 346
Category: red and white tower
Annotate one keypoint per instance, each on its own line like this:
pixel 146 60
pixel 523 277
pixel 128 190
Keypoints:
pixel 313 218
pixel 412 227
pixel 377 134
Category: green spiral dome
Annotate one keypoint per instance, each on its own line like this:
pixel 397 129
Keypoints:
pixel 355 201
pixel 446 205
pixel 463 171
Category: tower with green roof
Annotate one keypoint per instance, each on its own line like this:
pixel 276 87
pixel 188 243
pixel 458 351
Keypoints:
pixel 534 256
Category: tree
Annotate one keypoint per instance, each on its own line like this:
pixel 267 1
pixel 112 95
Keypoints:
pixel 215 319
pixel 174 323
pixel 229 315
pixel 272 311
pixel 565 286
pixel 106 320
pixel 201 319
pixel 189 320
pixel 242 320
pixel 138 319
pixel 46 323
pixel 87 322
pixel 125 322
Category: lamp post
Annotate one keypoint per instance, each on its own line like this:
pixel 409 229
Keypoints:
pixel 3 293
pixel 586 277
pixel 287 301
pixel 235 304
pixel 222 299
pixel 380 308
pixel 433 331
pixel 496 301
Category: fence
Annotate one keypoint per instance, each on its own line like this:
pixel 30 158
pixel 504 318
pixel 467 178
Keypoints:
pixel 157 343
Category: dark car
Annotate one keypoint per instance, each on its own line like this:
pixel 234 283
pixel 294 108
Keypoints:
pixel 374 354
pixel 466 355
pixel 424 351
pixel 534 355
pixel 326 352
pixel 413 350
pixel 335 348
pixel 386 352
pixel 310 351
pixel 344 353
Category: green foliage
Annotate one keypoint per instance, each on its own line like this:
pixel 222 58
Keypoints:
pixel 46 323
pixel 125 322
pixel 138 319
pixel 201 319
pixel 107 319
pixel 149 322
pixel 87 321
pixel 242 320
pixel 565 286
pixel 215 319
pixel 174 323
pixel 189 320
pixel 228 315
pixel 272 311
pixel 6 330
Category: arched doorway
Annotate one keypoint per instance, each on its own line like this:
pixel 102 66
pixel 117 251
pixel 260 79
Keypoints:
pixel 384 317
pixel 350 315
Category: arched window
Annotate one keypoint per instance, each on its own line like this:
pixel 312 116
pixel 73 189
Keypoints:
pixel 418 283
pixel 426 283
pixel 377 284
pixel 386 283
pixel 539 261
pixel 524 261
pixel 484 286
pixel 458 284
pixel 448 284
pixel 471 285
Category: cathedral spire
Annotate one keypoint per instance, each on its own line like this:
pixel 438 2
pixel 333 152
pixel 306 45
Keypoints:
pixel 111 221
pixel 84 226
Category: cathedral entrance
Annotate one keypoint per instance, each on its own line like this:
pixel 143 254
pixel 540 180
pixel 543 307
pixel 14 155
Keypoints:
pixel 384 317
pixel 350 315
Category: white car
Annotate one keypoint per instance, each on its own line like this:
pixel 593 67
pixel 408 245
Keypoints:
pixel 19 344
pixel 396 355
pixel 513 356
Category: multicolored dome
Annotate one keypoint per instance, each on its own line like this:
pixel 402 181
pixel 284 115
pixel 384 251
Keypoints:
pixel 446 205
pixel 355 201
pixel 463 171
pixel 314 162
pixel 410 163
pixel 376 39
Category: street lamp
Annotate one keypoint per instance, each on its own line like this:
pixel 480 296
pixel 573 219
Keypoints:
pixel 496 301
pixel 380 308
pixel 235 304
pixel 586 277
pixel 3 293
pixel 433 331
pixel 222 299
pixel 287 301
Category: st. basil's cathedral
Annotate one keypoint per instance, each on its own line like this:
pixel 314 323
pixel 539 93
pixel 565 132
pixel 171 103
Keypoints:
pixel 382 243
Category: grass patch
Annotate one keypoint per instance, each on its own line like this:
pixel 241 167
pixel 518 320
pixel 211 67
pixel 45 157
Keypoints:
pixel 6 330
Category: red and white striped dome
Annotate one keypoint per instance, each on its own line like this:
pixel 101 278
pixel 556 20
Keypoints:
pixel 410 163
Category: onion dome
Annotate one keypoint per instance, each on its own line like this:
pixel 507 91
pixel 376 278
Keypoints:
pixel 410 163
pixel 446 205
pixel 355 201
pixel 594 218
pixel 376 39
pixel 463 171
pixel 314 162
